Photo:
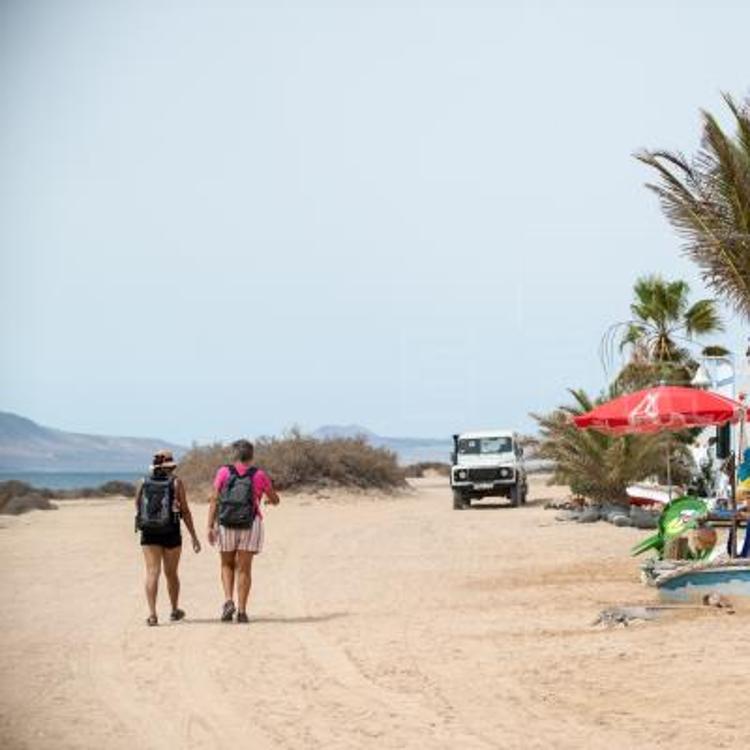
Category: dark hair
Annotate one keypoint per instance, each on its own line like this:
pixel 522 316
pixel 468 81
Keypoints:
pixel 243 450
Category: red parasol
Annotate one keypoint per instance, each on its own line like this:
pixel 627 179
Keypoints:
pixel 666 407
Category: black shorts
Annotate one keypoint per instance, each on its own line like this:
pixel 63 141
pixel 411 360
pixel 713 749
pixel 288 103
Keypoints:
pixel 168 539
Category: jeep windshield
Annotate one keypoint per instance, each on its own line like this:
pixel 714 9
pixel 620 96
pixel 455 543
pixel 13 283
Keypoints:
pixel 483 446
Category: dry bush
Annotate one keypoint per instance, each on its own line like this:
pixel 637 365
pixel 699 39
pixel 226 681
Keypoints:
pixel 421 468
pixel 14 488
pixel 18 497
pixel 113 488
pixel 296 461
pixel 15 506
pixel 198 467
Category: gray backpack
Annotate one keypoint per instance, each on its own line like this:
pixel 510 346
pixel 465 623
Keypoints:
pixel 237 500
pixel 156 511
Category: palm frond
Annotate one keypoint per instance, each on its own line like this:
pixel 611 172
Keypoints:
pixel 707 201
pixel 662 318
pixel 715 351
pixel 703 318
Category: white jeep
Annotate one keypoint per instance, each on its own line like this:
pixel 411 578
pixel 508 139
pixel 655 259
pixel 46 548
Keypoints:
pixel 487 463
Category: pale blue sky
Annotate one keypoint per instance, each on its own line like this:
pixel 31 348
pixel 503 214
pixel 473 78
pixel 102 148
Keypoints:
pixel 226 218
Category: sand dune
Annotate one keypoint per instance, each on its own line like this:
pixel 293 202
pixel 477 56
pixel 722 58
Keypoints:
pixel 393 623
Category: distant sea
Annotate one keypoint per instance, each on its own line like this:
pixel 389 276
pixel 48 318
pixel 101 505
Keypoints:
pixel 68 480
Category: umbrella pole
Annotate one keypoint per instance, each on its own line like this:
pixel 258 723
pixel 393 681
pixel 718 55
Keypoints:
pixel 669 466
pixel 736 458
pixel 733 505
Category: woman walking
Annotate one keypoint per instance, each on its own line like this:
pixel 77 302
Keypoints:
pixel 235 524
pixel 161 501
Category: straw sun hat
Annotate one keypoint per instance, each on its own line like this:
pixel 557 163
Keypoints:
pixel 163 459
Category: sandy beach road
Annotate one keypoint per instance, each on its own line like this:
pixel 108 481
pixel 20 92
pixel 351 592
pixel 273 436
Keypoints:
pixel 377 623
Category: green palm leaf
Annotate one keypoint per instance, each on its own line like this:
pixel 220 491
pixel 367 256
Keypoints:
pixel 707 201
pixel 663 318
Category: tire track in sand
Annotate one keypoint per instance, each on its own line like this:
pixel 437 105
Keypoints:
pixel 412 714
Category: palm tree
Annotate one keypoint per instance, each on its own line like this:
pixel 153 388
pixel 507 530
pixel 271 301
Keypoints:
pixel 600 466
pixel 663 321
pixel 663 317
pixel 707 200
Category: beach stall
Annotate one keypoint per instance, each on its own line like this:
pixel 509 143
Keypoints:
pixel 683 520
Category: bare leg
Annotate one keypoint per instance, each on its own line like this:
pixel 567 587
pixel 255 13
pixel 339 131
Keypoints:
pixel 171 561
pixel 244 578
pixel 228 561
pixel 152 555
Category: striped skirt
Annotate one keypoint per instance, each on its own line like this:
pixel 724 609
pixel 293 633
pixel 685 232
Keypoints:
pixel 247 540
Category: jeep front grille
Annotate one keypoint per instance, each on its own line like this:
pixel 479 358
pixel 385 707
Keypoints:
pixel 490 474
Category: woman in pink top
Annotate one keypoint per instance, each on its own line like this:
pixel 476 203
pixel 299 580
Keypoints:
pixel 238 544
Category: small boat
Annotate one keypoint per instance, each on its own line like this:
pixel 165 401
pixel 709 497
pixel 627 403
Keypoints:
pixel 651 494
pixel 681 581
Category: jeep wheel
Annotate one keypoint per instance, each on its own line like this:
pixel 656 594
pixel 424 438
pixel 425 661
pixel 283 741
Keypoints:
pixel 459 502
pixel 515 495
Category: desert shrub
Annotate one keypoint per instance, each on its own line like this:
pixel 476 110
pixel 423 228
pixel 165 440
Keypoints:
pixel 24 494
pixel 296 461
pixel 117 487
pixel 421 468
pixel 13 488
pixel 108 489
pixel 18 497
pixel 198 466
pixel 114 488
pixel 18 504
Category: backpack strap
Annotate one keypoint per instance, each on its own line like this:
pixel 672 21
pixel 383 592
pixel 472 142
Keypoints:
pixel 231 479
pixel 176 507
pixel 251 472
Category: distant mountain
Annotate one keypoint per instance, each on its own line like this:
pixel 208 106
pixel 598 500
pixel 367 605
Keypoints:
pixel 408 449
pixel 28 446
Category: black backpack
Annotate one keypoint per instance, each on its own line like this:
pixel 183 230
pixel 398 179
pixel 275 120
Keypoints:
pixel 237 500
pixel 156 505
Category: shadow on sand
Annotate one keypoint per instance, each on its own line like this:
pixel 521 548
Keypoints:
pixel 479 505
pixel 490 506
pixel 273 619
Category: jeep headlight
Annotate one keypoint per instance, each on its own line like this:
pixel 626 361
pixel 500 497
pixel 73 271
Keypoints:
pixel 462 474
pixel 505 473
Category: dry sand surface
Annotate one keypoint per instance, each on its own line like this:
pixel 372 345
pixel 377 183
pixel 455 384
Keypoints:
pixel 377 623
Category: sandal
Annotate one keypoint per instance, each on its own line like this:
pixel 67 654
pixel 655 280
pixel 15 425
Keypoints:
pixel 242 617
pixel 228 611
pixel 152 620
pixel 177 615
